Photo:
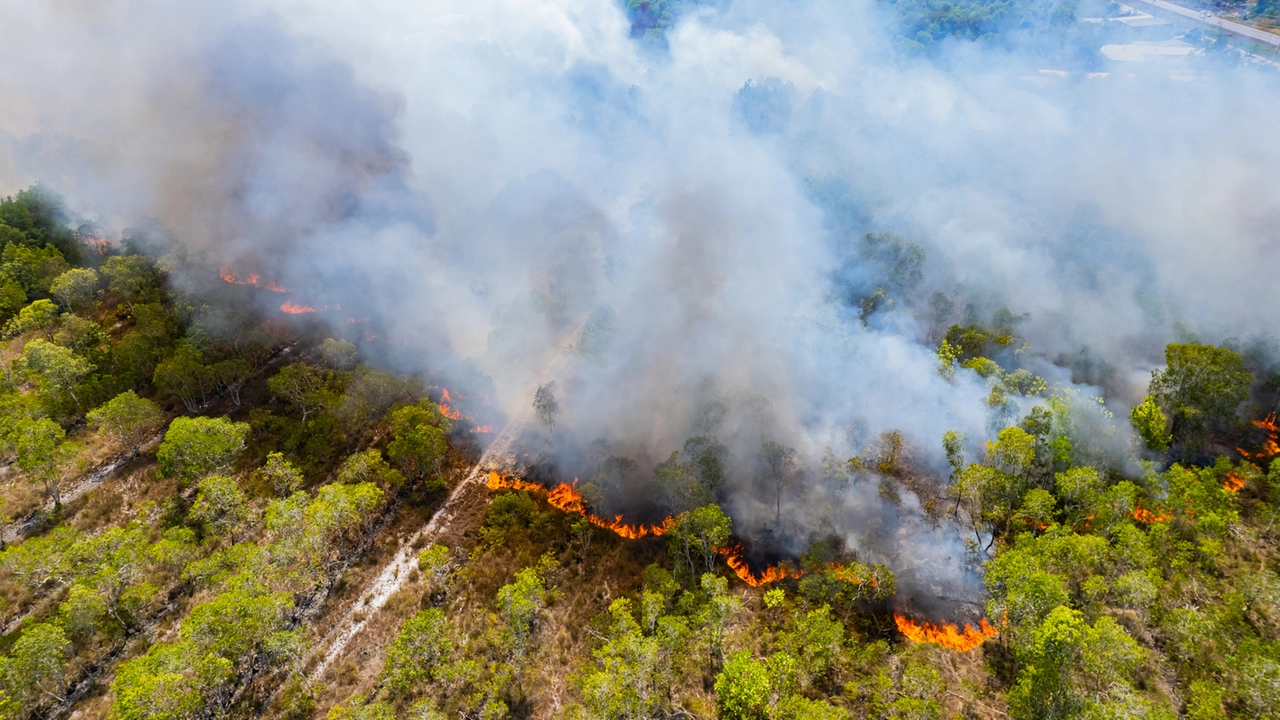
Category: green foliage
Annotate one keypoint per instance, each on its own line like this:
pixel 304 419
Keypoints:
pixel 303 387
pixel 926 23
pixel 131 277
pixel 220 506
pixel 816 641
pixel 40 316
pixel 339 354
pixel 57 369
pixel 184 376
pixel 422 644
pixel 39 659
pixel 368 466
pixel 282 475
pixel 358 707
pixel 229 376
pixel 43 455
pixel 74 288
pixel 195 447
pixel 1067 663
pixel 179 679
pixel 696 536
pixel 418 443
pixel 32 269
pixel 1202 385
pixel 128 419
pixel 519 604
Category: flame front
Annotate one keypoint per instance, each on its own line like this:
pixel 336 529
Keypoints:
pixel 565 497
pixel 948 636
pixel 253 279
pixel 1271 446
pixel 1233 482
pixel 1148 517
pixel 293 309
pixel 447 411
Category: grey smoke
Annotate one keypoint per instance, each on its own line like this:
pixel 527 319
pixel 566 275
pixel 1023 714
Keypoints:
pixel 481 176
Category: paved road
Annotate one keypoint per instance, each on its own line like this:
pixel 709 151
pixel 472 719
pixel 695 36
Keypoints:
pixel 1236 28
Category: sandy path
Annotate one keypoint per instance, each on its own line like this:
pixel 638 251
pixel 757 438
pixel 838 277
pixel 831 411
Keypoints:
pixel 498 456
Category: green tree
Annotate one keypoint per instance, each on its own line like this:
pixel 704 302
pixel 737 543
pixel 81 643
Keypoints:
pixel 339 354
pixel 633 670
pixel 418 440
pixel 230 376
pixel 816 641
pixel 721 606
pixel 1200 385
pixel 1067 662
pixel 129 276
pixel 195 447
pixel 33 268
pixel 783 471
pixel 422 644
pixel 43 455
pixel 698 534
pixel 40 316
pixel 546 405
pixel 368 466
pixel 185 376
pixel 40 657
pixel 519 604
pixel 220 506
pixel 1149 420
pixel 749 689
pixel 283 476
pixel 74 288
pixel 435 563
pixel 57 368
pixel 302 386
pixel 128 419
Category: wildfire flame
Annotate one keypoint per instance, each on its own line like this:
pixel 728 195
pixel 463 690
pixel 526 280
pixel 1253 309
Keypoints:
pixel 1233 482
pixel 1270 447
pixel 293 309
pixel 566 497
pixel 99 245
pixel 1144 515
pixel 948 636
pixel 447 411
pixel 253 279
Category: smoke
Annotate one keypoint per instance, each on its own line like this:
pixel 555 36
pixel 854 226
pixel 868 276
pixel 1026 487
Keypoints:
pixel 488 179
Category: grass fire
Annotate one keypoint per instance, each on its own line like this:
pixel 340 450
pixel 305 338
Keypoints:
pixel 639 360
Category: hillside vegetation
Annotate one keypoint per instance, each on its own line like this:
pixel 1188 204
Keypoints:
pixel 200 502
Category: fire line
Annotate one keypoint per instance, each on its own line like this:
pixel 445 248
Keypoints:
pixel 565 497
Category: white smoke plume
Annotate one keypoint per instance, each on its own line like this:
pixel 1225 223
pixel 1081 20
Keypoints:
pixel 481 177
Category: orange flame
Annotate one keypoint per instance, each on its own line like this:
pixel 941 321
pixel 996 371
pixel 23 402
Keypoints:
pixel 1145 516
pixel 251 279
pixel 482 429
pixel 733 558
pixel 447 411
pixel 99 245
pixel 1233 482
pixel 566 498
pixel 948 636
pixel 1270 447
pixel 293 309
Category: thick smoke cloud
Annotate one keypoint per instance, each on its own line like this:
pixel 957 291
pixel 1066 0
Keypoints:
pixel 483 176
